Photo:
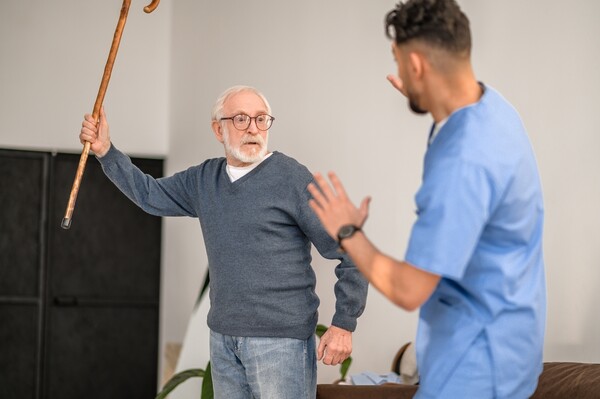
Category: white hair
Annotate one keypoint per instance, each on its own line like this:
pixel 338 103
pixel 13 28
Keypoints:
pixel 217 111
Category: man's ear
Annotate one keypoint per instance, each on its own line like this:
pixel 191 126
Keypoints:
pixel 416 64
pixel 217 130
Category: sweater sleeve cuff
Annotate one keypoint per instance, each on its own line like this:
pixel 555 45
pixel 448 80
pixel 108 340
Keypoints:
pixel 348 323
pixel 110 155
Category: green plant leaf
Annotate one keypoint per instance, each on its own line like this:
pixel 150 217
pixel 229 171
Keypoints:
pixel 345 366
pixel 207 385
pixel 320 330
pixel 178 379
pixel 205 286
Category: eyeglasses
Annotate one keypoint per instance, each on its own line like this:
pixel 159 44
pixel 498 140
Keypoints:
pixel 242 121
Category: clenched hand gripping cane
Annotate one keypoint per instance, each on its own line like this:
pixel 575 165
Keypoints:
pixel 66 222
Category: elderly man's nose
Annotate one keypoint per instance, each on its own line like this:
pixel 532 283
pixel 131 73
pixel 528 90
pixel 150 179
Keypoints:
pixel 253 127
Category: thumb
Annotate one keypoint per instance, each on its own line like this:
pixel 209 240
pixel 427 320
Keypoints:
pixel 364 209
pixel 103 125
pixel 102 116
pixel 321 350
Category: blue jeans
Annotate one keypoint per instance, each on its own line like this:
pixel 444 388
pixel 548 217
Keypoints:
pixel 263 368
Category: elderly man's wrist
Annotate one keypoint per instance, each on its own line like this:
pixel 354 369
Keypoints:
pixel 104 152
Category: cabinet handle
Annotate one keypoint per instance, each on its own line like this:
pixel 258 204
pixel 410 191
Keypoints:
pixel 66 301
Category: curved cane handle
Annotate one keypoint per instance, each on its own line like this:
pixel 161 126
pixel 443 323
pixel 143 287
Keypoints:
pixel 151 7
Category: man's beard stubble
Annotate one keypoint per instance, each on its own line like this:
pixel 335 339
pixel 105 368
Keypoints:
pixel 237 153
pixel 415 108
pixel 413 103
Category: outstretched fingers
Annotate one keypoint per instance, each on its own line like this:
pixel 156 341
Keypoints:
pixel 321 192
pixel 324 192
pixel 317 196
pixel 364 210
pixel 327 192
pixel 324 204
pixel 333 207
pixel 338 187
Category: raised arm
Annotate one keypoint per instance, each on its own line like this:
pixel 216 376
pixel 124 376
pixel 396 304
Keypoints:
pixel 169 196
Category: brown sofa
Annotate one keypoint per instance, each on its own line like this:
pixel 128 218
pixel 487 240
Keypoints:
pixel 558 380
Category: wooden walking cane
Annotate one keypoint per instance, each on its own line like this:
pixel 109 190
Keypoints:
pixel 66 222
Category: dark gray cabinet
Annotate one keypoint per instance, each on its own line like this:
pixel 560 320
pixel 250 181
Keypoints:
pixel 78 308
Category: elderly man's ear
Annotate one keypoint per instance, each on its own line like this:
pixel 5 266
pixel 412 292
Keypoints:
pixel 218 130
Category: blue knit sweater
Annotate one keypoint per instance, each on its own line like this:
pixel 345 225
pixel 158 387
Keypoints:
pixel 258 232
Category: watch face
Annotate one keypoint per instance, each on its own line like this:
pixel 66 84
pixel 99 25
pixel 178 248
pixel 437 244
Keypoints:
pixel 346 231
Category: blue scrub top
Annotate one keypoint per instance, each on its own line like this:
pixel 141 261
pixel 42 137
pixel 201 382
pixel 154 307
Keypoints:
pixel 479 226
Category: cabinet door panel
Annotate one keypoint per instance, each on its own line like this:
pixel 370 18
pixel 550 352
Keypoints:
pixel 21 220
pixel 112 248
pixel 18 351
pixel 102 352
pixel 79 308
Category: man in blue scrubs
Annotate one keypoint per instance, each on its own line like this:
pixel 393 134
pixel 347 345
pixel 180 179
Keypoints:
pixel 474 263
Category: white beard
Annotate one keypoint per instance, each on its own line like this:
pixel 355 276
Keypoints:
pixel 254 155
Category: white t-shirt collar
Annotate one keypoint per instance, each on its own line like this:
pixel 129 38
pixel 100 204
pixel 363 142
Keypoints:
pixel 237 172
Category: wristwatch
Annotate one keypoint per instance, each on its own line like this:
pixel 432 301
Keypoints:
pixel 346 231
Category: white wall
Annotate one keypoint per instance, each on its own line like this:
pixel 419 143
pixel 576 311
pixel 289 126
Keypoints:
pixel 322 64
pixel 52 57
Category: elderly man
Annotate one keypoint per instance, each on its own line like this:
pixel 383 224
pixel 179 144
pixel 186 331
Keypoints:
pixel 474 262
pixel 258 229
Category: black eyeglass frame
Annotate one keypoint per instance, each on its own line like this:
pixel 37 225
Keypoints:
pixel 269 123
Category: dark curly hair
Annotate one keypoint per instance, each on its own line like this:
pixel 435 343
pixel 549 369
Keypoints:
pixel 439 23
